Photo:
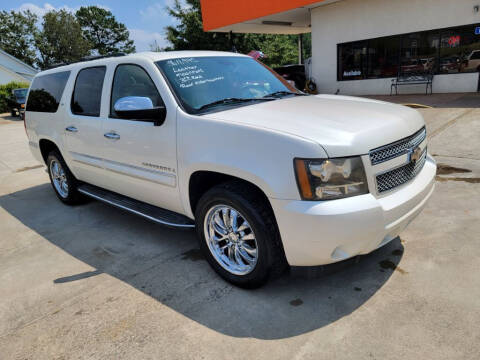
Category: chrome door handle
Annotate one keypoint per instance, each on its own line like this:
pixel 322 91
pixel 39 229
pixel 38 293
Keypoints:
pixel 112 136
pixel 71 129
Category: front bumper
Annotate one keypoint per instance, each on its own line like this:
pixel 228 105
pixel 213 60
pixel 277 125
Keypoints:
pixel 323 232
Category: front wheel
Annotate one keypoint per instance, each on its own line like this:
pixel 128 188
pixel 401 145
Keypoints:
pixel 238 235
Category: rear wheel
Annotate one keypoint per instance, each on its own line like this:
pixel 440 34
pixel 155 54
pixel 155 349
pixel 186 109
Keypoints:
pixel 238 235
pixel 63 182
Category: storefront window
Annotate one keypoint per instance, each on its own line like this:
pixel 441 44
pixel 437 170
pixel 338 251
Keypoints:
pixel 419 52
pixel 441 51
pixel 460 50
pixel 383 57
pixel 353 61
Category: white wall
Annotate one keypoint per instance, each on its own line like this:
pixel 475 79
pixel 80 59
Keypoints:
pixel 7 76
pixel 352 20
pixel 15 65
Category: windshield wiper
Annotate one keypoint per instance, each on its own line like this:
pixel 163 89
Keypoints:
pixel 231 100
pixel 283 92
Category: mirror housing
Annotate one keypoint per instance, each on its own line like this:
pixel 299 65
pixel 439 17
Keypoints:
pixel 140 108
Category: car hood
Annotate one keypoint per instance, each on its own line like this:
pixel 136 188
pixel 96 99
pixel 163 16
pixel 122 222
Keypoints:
pixel 342 125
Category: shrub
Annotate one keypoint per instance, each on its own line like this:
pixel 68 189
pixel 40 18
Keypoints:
pixel 6 92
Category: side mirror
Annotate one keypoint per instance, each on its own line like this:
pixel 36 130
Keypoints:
pixel 140 108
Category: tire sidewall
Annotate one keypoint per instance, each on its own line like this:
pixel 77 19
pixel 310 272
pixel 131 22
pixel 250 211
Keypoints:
pixel 224 197
pixel 72 194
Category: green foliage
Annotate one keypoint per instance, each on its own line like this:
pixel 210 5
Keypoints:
pixel 105 34
pixel 61 39
pixel 279 49
pixel 63 36
pixel 188 34
pixel 17 34
pixel 6 93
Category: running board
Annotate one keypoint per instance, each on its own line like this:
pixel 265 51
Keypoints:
pixel 150 212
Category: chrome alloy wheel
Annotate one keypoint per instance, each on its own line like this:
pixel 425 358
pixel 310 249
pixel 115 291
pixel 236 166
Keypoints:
pixel 231 239
pixel 59 178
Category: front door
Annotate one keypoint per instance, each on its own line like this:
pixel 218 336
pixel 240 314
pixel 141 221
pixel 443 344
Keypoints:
pixel 140 157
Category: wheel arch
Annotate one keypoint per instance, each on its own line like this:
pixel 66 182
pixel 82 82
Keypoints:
pixel 46 146
pixel 201 181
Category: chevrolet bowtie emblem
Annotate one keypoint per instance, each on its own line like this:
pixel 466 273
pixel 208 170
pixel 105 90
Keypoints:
pixel 415 154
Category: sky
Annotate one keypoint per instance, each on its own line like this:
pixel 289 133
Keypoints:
pixel 144 19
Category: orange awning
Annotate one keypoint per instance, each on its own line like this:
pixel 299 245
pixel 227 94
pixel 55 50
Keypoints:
pixel 223 15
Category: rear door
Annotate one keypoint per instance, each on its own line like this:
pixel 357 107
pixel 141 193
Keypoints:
pixel 139 157
pixel 83 126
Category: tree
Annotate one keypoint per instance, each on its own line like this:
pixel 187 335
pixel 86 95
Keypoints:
pixel 155 47
pixel 17 34
pixel 278 49
pixel 60 40
pixel 105 34
pixel 188 34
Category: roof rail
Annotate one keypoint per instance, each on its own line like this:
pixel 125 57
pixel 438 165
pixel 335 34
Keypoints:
pixel 86 58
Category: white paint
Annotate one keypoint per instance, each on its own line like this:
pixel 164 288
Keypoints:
pixel 352 20
pixel 257 143
pixel 7 76
pixel 12 69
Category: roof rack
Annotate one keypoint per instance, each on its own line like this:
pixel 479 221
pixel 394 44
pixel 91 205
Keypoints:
pixel 86 58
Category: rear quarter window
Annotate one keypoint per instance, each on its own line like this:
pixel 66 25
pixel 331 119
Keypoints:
pixel 46 92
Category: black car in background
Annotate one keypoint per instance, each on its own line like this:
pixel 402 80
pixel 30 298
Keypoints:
pixel 295 73
pixel 16 102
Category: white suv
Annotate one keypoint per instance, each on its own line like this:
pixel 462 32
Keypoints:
pixel 268 176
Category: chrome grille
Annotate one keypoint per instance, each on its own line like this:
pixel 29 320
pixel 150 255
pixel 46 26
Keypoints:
pixel 400 175
pixel 398 148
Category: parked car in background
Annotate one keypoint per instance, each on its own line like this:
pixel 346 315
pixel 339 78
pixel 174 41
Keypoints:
pixel 472 62
pixel 16 102
pixel 428 64
pixel 268 175
pixel 450 64
pixel 412 66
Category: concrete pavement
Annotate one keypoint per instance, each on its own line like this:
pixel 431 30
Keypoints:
pixel 93 282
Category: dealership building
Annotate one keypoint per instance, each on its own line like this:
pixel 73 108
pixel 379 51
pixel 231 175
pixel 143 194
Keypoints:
pixel 359 46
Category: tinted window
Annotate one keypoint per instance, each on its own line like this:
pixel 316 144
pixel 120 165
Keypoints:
pixel 383 57
pixel 132 80
pixel 46 92
pixel 353 61
pixel 419 52
pixel 441 51
pixel 475 55
pixel 87 95
pixel 198 81
pixel 20 93
pixel 458 46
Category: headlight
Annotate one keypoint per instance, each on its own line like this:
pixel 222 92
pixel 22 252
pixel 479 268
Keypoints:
pixel 330 178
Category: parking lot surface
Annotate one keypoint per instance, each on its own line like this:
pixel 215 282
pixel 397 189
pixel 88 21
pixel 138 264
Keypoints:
pixel 93 282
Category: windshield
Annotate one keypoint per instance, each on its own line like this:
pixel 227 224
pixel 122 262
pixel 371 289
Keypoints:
pixel 203 83
pixel 20 93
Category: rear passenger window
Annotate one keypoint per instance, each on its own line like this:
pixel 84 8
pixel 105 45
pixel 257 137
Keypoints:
pixel 87 95
pixel 46 92
pixel 132 80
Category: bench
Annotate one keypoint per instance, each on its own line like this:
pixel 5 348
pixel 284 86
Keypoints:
pixel 413 78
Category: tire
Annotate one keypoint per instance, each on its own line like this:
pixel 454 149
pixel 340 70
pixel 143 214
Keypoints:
pixel 13 113
pixel 254 217
pixel 70 194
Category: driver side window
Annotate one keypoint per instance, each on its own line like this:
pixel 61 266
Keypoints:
pixel 133 80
